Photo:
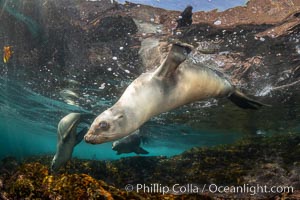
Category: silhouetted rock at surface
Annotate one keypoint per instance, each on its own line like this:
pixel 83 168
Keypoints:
pixel 185 18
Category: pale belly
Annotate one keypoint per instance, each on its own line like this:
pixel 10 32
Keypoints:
pixel 196 85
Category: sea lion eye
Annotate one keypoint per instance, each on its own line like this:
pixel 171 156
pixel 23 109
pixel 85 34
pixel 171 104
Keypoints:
pixel 104 125
pixel 120 116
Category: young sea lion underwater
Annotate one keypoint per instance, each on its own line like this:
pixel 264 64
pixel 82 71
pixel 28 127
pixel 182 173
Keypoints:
pixel 68 138
pixel 176 82
pixel 130 144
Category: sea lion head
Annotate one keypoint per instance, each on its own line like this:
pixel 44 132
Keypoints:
pixel 128 142
pixel 116 146
pixel 110 125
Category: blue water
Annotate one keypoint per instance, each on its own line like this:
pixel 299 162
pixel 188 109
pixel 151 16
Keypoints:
pixel 198 5
pixel 28 124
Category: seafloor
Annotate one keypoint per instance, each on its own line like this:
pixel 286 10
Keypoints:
pixel 262 160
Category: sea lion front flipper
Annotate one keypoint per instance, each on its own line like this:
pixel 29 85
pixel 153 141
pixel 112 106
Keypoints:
pixel 80 135
pixel 176 56
pixel 241 100
pixel 140 150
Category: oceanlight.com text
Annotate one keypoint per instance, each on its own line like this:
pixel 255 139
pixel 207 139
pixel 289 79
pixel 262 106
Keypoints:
pixel 211 188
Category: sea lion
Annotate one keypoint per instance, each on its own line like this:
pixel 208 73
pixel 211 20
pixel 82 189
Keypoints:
pixel 68 138
pixel 176 82
pixel 129 144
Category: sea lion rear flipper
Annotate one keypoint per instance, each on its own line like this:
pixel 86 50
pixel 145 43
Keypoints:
pixel 176 56
pixel 241 100
pixel 140 150
pixel 80 135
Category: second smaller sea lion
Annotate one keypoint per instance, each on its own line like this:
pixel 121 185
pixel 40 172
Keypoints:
pixel 129 144
pixel 68 137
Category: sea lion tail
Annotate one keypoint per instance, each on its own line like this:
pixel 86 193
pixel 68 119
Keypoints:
pixel 241 100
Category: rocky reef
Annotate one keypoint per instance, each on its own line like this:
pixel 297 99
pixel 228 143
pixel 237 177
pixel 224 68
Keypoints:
pixel 261 160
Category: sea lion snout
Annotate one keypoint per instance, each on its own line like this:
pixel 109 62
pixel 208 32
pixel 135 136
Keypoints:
pixel 96 136
pixel 115 145
pixel 90 138
pixel 110 125
pixel 99 128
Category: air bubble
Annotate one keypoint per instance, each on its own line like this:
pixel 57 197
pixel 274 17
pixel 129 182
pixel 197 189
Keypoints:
pixel 218 22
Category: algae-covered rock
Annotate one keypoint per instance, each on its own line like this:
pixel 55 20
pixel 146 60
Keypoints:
pixel 22 188
pixel 26 181
pixel 75 186
pixel 32 181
